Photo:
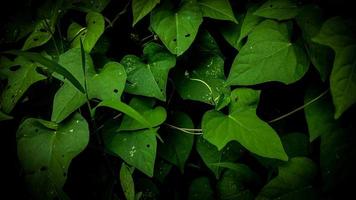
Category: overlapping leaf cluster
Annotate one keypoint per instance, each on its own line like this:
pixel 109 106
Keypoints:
pixel 277 41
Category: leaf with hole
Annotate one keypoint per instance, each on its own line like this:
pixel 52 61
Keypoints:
pixel 136 148
pixel 294 181
pixel 41 35
pixel 108 84
pixel 217 9
pixel 177 144
pixel 269 55
pixel 177 28
pixel 90 34
pixel 147 76
pixel 140 8
pixel 46 154
pixel 154 115
pixel 244 126
pixel 278 9
pixel 20 74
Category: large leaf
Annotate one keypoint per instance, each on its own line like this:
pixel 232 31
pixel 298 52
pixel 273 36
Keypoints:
pixel 243 125
pixel 217 9
pixel 46 154
pixel 336 33
pixel 200 188
pixel 235 33
pixel 20 74
pixel 141 8
pixel 41 34
pixel 310 21
pixel 137 148
pixel 148 76
pixel 205 83
pixel 127 182
pixel 343 80
pixel 177 28
pixel 90 34
pixel 319 112
pixel 155 116
pixel 177 144
pixel 294 181
pixel 267 56
pixel 278 9
pixel 212 157
pixel 108 84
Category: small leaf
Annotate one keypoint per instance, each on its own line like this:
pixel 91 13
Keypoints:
pixel 267 56
pixel 293 181
pixel 243 126
pixel 140 8
pixel 21 74
pixel 235 33
pixel 178 29
pixel 46 154
pixel 155 116
pixel 90 34
pixel 177 144
pixel 127 182
pixel 212 156
pixel 278 9
pixel 343 80
pixel 217 9
pixel 200 188
pixel 149 78
pixel 41 35
pixel 137 148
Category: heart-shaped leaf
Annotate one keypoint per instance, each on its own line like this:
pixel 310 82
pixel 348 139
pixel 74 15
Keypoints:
pixel 148 76
pixel 267 56
pixel 177 28
pixel 46 154
pixel 90 34
pixel 217 9
pixel 140 8
pixel 278 9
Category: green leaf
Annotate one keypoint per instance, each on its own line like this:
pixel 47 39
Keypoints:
pixel 90 34
pixel 4 116
pixel 232 184
pixel 212 156
pixel 235 33
pixel 243 126
pixel 310 21
pixel 200 188
pixel 51 65
pixel 293 181
pixel 128 110
pixel 46 154
pixel 177 28
pixel 155 116
pixel 267 56
pixel 177 144
pixel 296 144
pixel 242 98
pixel 20 74
pixel 127 182
pixel 162 169
pixel 278 9
pixel 148 76
pixel 343 80
pixel 140 8
pixel 41 35
pixel 205 83
pixel 137 148
pixel 319 112
pixel 108 84
pixel 336 33
pixel 217 9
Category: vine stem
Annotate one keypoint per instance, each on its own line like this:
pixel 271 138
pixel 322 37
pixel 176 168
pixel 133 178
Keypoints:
pixel 123 11
pixel 186 130
pixel 300 108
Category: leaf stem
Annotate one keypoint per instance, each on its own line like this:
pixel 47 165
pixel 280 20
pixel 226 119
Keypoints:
pixel 192 131
pixel 300 108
